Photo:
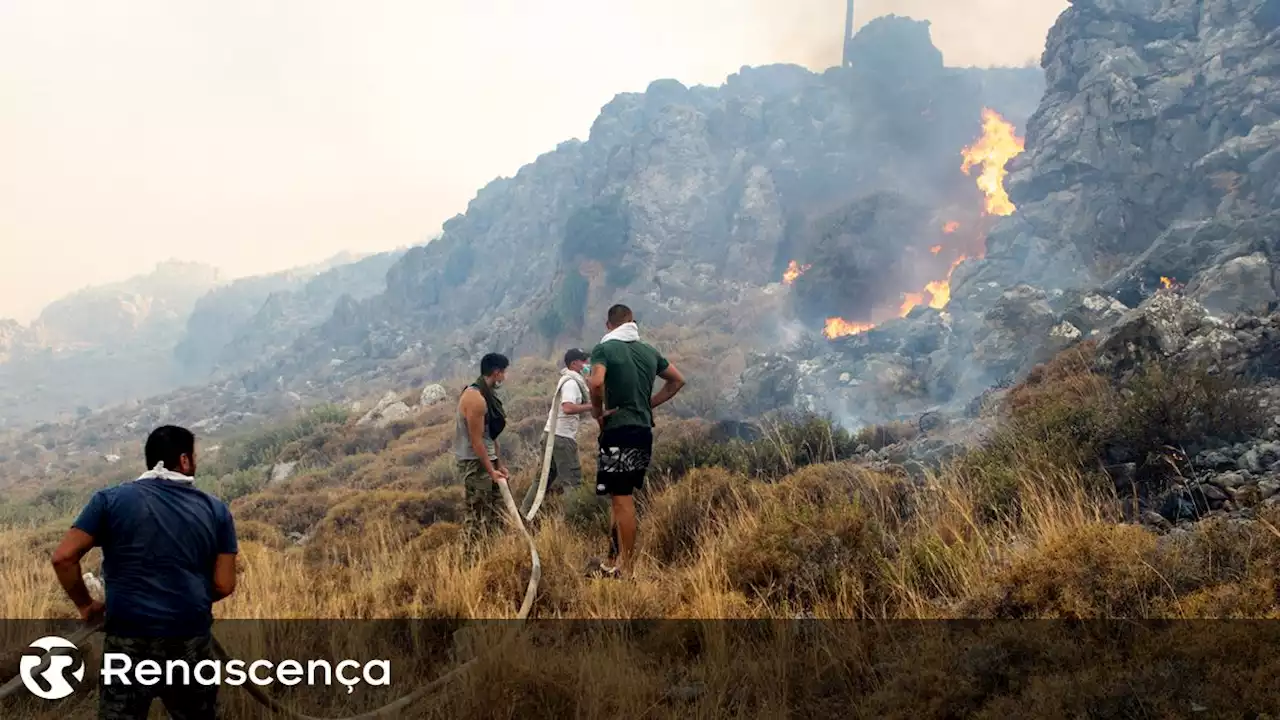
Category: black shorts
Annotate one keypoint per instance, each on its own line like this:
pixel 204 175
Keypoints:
pixel 623 460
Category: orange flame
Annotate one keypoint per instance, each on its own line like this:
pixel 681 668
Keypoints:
pixel 839 327
pixel 793 271
pixel 940 290
pixel 999 144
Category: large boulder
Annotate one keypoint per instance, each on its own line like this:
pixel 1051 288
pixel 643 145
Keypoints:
pixel 769 382
pixel 1157 329
pixel 389 410
pixel 1242 285
pixel 1175 328
pixel 1091 312
pixel 1012 331
pixel 432 394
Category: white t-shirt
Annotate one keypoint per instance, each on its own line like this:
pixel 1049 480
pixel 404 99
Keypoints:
pixel 567 425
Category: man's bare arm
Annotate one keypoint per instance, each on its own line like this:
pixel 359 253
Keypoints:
pixel 224 576
pixel 595 387
pixel 473 409
pixel 66 565
pixel 674 382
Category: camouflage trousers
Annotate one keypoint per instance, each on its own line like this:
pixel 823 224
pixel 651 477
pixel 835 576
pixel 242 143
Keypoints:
pixel 183 701
pixel 484 506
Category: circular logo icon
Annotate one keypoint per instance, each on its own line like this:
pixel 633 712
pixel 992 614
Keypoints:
pixel 55 675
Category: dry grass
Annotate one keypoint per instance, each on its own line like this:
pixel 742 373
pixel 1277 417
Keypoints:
pixel 781 528
pixel 776 527
pixel 832 540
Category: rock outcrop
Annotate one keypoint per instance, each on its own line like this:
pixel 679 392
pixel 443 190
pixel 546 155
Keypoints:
pixel 1149 166
pixel 682 199
pixel 1152 155
pixel 98 346
pixel 233 327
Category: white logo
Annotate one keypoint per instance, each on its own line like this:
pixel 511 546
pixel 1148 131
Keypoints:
pixel 50 683
pixel 601 488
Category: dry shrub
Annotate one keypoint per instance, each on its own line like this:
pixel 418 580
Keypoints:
pixel 1251 598
pixel 259 532
pixel 404 515
pixel 583 510
pixel 1186 407
pixel 290 512
pixel 505 569
pixel 807 556
pixel 681 518
pixel 346 468
pixel 435 536
pixel 888 498
pixel 1093 571
pixel 442 471
pixel 1068 373
pixel 878 437
pixel 681 446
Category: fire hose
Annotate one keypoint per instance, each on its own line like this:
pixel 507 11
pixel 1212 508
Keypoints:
pixel 82 635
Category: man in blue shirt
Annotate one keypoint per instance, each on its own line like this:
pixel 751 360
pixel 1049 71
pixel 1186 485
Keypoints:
pixel 168 553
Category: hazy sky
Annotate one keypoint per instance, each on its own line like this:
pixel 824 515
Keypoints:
pixel 256 135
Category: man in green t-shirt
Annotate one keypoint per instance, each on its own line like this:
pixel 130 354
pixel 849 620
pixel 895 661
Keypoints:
pixel 623 370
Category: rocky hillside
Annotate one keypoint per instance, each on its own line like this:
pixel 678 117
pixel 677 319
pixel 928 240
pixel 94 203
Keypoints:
pixel 100 345
pixel 143 309
pixel 234 326
pixel 1153 154
pixel 681 200
pixel 1149 164
pixel 176 326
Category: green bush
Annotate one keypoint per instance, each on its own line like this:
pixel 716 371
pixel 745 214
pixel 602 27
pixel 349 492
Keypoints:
pixel 266 446
pixel 599 232
pixel 568 306
pixel 1186 407
pixel 791 441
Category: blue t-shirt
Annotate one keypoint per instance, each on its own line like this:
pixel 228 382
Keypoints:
pixel 159 541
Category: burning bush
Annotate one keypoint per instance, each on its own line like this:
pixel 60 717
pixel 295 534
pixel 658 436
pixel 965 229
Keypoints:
pixel 856 256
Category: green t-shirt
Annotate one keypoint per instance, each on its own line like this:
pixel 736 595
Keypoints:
pixel 630 369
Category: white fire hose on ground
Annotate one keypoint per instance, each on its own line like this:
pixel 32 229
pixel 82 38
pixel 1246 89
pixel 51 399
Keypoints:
pixel 394 708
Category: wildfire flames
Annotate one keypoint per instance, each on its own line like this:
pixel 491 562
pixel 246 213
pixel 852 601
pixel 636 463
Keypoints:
pixel 793 271
pixel 998 145
pixel 839 327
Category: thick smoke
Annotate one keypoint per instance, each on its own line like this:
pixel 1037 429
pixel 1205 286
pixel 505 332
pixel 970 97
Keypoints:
pixel 982 33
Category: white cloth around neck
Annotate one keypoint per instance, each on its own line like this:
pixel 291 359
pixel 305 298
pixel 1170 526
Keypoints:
pixel 159 472
pixel 626 332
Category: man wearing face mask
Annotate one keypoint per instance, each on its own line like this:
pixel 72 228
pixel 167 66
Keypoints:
pixel 566 470
pixel 481 419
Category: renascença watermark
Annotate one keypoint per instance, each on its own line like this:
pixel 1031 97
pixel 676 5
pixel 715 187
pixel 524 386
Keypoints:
pixel 120 668
pixel 49 680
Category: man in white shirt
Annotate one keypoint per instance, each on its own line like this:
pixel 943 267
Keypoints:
pixel 566 469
